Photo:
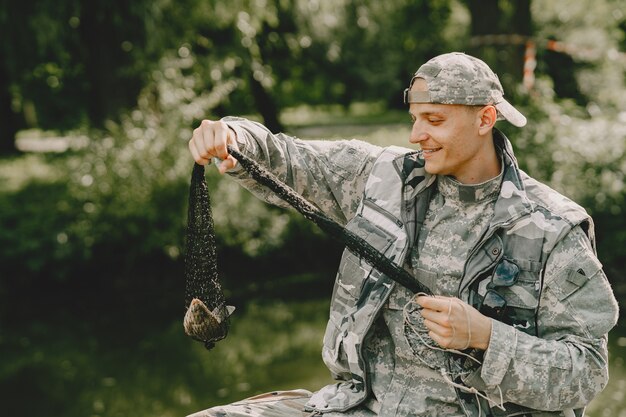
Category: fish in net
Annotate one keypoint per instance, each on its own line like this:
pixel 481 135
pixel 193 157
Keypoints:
pixel 207 316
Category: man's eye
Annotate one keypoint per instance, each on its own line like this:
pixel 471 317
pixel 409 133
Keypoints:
pixel 435 121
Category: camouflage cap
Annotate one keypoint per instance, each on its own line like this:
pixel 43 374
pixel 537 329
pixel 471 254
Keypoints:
pixel 457 78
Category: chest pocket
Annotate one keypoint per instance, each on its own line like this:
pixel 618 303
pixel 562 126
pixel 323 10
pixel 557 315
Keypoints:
pixel 354 272
pixel 514 302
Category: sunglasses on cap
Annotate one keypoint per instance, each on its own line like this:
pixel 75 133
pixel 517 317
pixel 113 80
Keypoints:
pixel 505 275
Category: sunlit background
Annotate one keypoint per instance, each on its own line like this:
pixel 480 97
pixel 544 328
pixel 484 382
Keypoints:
pixel 97 101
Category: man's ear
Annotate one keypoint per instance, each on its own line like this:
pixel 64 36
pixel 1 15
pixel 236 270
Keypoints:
pixel 487 116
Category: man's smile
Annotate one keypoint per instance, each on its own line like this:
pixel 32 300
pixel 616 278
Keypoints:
pixel 429 151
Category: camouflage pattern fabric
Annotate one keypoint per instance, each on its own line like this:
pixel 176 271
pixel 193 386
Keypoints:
pixel 272 404
pixel 330 174
pixel 360 291
pixel 457 78
pixel 407 379
pixel 557 362
pixel 457 217
pixel 276 404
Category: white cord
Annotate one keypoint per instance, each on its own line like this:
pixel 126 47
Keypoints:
pixel 469 326
pixel 472 390
pixel 444 373
pixel 417 333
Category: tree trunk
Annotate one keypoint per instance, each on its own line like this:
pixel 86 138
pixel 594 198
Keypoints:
pixel 113 84
pixel 504 54
pixel 266 105
pixel 97 68
pixel 485 16
pixel 9 120
pixel 519 23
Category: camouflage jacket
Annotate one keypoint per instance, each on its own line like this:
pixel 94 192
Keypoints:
pixel 555 361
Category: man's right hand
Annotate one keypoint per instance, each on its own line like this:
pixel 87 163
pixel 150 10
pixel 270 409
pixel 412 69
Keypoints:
pixel 210 140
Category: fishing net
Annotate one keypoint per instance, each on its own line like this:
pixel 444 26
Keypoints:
pixel 207 314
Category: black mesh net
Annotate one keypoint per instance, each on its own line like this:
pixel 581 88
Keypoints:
pixel 207 314
pixel 353 242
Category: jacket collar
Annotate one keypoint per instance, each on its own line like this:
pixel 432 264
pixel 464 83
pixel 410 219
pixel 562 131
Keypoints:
pixel 512 202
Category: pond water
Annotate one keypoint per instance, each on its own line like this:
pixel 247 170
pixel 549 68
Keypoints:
pixel 73 370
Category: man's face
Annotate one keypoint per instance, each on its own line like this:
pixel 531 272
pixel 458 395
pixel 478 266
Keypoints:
pixel 448 136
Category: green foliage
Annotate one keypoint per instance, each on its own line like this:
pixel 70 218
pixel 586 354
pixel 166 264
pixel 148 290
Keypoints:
pixel 112 216
pixel 263 55
pixel 93 238
pixel 124 193
pixel 71 62
pixel 578 145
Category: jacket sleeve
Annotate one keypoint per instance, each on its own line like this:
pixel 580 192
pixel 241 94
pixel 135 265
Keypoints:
pixel 330 174
pixel 567 365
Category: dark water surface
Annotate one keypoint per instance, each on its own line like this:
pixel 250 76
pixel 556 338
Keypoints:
pixel 70 368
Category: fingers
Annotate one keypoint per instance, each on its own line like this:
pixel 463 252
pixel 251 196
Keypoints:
pixel 220 141
pixel 196 149
pixel 436 303
pixel 227 164
pixel 446 342
pixel 210 140
pixel 437 316
pixel 195 153
pixel 439 319
pixel 454 324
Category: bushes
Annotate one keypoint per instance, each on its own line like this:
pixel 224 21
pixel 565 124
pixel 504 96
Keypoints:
pixel 581 152
pixel 105 225
pixel 112 238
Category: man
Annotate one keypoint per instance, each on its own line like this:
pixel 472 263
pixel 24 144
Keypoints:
pixel 522 309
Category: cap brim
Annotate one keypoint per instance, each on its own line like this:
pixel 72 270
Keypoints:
pixel 511 114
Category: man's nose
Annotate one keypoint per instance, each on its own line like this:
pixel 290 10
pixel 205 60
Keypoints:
pixel 417 134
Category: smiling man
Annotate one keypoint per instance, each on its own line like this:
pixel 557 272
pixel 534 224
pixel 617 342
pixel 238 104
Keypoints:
pixel 522 309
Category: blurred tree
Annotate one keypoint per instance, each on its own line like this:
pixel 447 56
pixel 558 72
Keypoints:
pixel 109 32
pixel 562 68
pixel 239 43
pixel 382 44
pixel 501 17
pixel 10 120
pixel 288 52
pixel 70 62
